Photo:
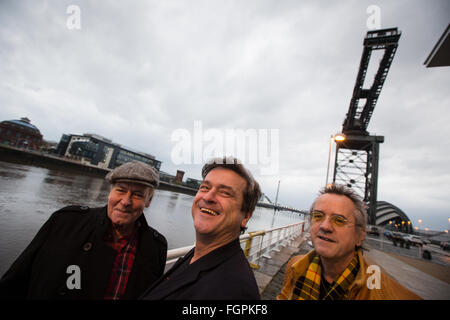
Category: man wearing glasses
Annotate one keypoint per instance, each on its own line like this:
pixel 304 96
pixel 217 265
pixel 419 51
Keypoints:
pixel 336 269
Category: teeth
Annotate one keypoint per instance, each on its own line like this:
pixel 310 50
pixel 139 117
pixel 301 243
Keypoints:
pixel 209 211
pixel 325 239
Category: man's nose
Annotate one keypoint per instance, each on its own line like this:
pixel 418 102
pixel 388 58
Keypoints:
pixel 210 196
pixel 326 225
pixel 126 199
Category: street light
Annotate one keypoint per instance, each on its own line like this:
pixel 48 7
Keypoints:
pixel 338 137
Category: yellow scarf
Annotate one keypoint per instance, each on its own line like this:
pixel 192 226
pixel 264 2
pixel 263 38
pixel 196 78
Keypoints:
pixel 307 287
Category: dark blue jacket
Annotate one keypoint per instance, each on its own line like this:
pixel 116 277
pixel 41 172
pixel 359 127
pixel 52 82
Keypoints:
pixel 222 274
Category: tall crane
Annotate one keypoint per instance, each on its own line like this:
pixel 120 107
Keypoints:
pixel 356 161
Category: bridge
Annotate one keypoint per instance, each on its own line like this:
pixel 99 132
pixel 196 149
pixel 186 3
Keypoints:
pixel 265 202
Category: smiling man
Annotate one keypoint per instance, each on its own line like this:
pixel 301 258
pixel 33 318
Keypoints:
pixel 94 253
pixel 336 269
pixel 216 268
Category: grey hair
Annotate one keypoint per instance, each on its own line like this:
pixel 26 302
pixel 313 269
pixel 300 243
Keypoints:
pixel 360 212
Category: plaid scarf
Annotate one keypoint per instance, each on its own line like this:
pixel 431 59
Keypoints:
pixel 308 285
pixel 122 266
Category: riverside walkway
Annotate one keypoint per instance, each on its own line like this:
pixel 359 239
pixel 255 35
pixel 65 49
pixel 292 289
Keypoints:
pixel 429 280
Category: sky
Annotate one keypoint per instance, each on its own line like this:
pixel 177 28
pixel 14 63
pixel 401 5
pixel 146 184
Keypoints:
pixel 182 79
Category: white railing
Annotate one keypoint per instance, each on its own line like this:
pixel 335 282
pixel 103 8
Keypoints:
pixel 255 244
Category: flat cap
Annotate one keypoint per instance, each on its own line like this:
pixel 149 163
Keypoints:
pixel 135 171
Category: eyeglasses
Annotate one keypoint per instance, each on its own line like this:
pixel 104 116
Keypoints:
pixel 336 220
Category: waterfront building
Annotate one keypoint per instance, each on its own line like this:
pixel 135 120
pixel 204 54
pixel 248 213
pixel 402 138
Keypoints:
pixel 20 133
pixel 99 151
pixel 193 183
pixel 166 177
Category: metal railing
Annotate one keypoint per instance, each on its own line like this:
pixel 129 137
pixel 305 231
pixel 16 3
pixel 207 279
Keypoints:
pixel 255 244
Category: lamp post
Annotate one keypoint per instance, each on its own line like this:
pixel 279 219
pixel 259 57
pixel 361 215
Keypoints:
pixel 276 204
pixel 420 223
pixel 339 137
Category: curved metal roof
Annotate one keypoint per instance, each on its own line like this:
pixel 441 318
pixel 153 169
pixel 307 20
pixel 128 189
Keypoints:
pixel 387 212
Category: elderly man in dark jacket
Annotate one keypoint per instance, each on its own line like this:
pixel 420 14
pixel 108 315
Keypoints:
pixel 94 253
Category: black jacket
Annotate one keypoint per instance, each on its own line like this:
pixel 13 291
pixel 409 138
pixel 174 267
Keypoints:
pixel 222 274
pixel 74 236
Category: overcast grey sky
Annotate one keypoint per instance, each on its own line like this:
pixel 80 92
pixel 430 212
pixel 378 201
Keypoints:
pixel 138 71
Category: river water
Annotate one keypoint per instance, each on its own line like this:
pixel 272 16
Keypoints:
pixel 29 195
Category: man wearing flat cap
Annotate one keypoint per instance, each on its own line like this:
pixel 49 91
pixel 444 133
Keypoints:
pixel 94 253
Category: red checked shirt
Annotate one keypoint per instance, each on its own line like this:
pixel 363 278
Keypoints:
pixel 122 266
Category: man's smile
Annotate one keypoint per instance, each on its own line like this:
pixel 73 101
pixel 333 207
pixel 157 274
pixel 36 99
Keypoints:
pixel 122 211
pixel 210 211
pixel 325 238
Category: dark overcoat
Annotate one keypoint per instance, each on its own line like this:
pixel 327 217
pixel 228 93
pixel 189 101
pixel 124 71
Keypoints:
pixel 71 244
pixel 222 274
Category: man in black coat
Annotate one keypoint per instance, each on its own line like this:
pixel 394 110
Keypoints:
pixel 216 268
pixel 99 253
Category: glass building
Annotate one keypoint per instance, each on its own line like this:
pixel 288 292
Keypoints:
pixel 101 152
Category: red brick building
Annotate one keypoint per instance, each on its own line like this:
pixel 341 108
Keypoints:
pixel 20 133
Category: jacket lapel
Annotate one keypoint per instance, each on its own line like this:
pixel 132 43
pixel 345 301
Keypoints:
pixel 146 263
pixel 166 285
pixel 299 267
pixel 361 277
pixel 102 255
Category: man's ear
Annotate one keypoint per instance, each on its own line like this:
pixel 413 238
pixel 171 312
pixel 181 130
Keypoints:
pixel 247 216
pixel 361 236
